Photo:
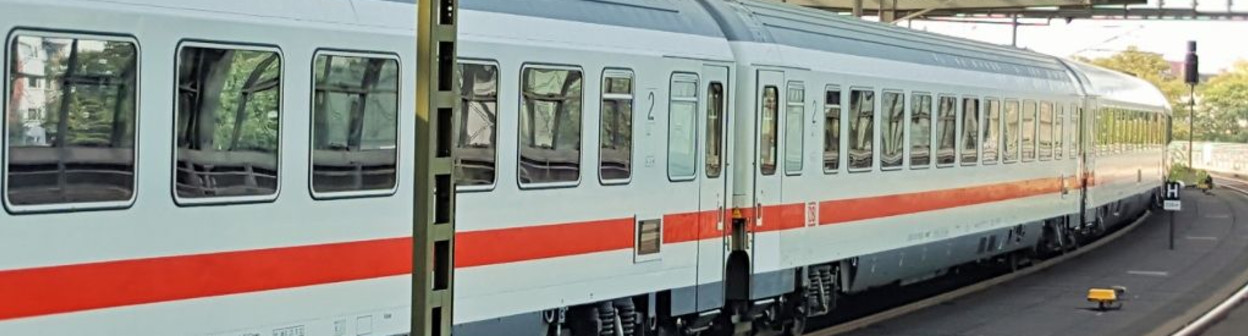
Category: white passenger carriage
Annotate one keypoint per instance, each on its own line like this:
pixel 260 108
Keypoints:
pixel 640 166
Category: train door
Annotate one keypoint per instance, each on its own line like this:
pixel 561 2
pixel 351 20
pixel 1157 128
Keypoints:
pixel 1085 120
pixel 712 251
pixel 765 240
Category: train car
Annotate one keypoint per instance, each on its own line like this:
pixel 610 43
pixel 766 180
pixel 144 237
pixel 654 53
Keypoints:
pixel 206 168
pixel 854 156
pixel 625 167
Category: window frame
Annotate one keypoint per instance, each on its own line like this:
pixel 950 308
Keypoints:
pixel 695 118
pixel 957 115
pixel 1040 134
pixel 580 175
pixel 602 97
pixel 1017 137
pixel 5 109
pixel 1035 131
pixel 986 104
pixel 398 132
pixel 801 151
pixel 875 103
pixel 979 131
pixel 497 133
pixel 904 124
pixel 281 105
pixel 840 128
pixel 722 125
pixel 931 108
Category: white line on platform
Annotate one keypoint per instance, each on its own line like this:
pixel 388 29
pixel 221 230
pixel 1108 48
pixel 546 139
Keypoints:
pixel 1201 238
pixel 1149 273
pixel 1219 216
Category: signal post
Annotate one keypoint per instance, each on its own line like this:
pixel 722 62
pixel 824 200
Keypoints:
pixel 433 227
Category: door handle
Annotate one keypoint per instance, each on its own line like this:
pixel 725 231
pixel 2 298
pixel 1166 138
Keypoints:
pixel 758 214
pixel 719 219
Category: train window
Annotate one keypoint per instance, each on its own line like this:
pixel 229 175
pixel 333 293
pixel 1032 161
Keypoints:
pixel 794 122
pixel 1012 132
pixel 476 143
pixel 355 123
pixel 768 130
pixel 992 132
pixel 970 131
pixel 615 135
pixel 832 130
pixel 715 129
pixel 1044 138
pixel 892 126
pixel 649 237
pixel 550 125
pixel 861 129
pixel 1029 131
pixel 682 128
pixel 83 151
pixel 1075 131
pixel 1059 129
pixel 1102 131
pixel 946 132
pixel 229 111
pixel 920 131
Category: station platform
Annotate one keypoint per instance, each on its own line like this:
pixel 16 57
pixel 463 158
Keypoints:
pixel 1166 289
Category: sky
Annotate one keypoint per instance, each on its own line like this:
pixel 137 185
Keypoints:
pixel 1219 43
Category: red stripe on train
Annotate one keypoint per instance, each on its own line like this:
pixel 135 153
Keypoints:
pixel 71 288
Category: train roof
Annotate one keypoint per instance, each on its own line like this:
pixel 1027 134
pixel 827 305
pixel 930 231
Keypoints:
pixel 677 16
pixel 1119 89
pixel 372 14
pixel 784 24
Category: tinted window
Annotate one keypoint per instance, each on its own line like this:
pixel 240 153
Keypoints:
pixel 1059 129
pixel 615 136
pixel 970 131
pixel 1029 131
pixel 1011 133
pixel 71 140
pixel 921 131
pixel 715 130
pixel 681 127
pixel 861 128
pixel 229 106
pixel 550 125
pixel 768 130
pixel 355 123
pixel 992 132
pixel 832 131
pixel 892 123
pixel 476 148
pixel 946 131
pixel 1045 136
pixel 794 122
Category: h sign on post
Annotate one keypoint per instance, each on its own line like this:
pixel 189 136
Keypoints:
pixel 1170 200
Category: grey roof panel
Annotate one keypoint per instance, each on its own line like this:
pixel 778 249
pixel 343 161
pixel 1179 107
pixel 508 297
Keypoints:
pixel 677 16
pixel 766 22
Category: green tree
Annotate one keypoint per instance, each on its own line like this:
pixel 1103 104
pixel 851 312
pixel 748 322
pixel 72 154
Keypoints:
pixel 1223 111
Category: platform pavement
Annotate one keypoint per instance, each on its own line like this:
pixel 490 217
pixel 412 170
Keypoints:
pixel 1164 287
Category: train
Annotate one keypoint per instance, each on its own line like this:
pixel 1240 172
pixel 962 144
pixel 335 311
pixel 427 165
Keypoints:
pixel 623 167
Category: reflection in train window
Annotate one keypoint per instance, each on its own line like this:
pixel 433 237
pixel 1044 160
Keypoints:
pixel 768 130
pixel 794 126
pixel 970 131
pixel 921 131
pixel 861 129
pixel 71 141
pixel 355 123
pixel 615 139
pixel 229 109
pixel 550 125
pixel 1011 133
pixel 681 128
pixel 715 129
pixel 476 143
pixel 1029 130
pixel 832 130
pixel 1076 130
pixel 1059 128
pixel 946 132
pixel 892 126
pixel 992 132
pixel 1045 136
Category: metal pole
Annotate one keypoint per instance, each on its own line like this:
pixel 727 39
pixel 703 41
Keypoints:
pixel 858 8
pixel 1014 35
pixel 1191 130
pixel 1171 230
